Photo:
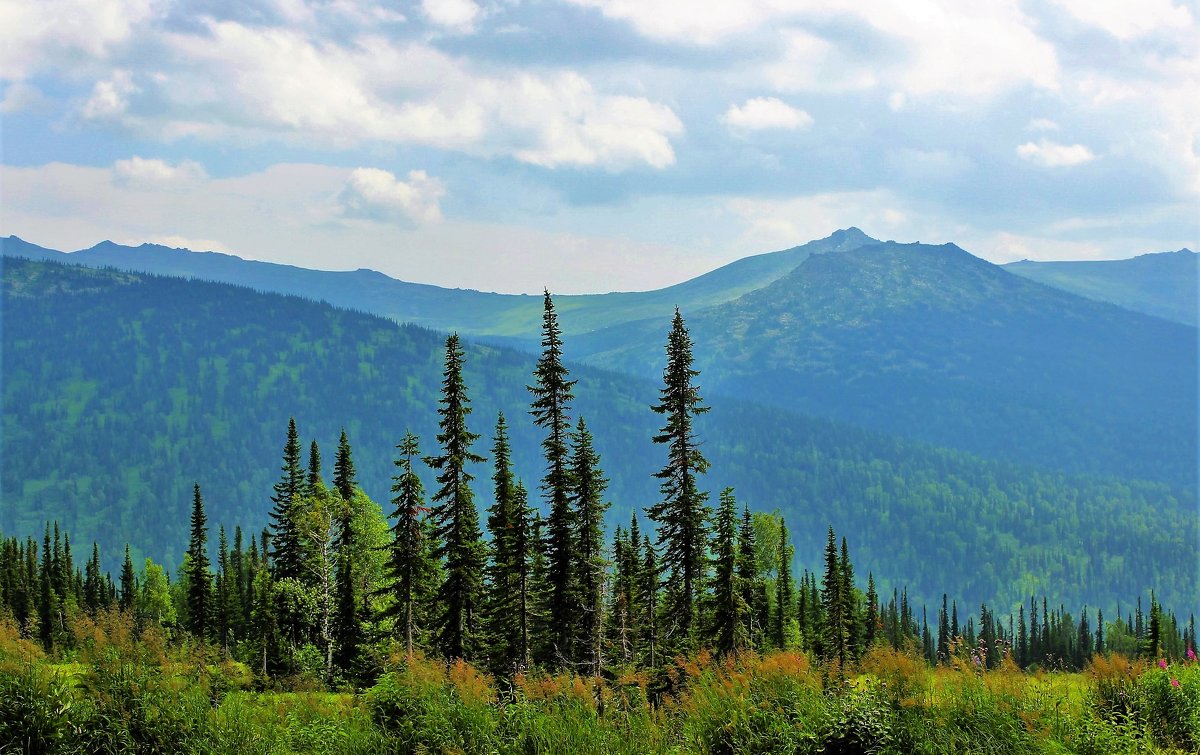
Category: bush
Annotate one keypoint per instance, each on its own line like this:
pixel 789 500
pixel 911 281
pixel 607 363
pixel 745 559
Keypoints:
pixel 37 711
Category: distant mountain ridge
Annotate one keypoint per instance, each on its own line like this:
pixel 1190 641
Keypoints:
pixel 1163 284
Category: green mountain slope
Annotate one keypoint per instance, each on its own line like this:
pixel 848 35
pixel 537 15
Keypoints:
pixel 121 389
pixel 1163 285
pixel 935 343
pixel 473 313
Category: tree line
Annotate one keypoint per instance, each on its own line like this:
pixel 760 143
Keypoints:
pixel 332 583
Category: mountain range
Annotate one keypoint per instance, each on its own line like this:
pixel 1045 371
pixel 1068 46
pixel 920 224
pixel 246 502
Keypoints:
pixel 121 389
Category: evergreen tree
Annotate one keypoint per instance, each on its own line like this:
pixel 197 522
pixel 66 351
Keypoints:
pixel 849 602
pixel 1100 630
pixel 344 476
pixel 729 610
pixel 506 625
pixel 94 594
pixel 784 590
pixel 225 599
pixel 288 556
pixel 199 577
pixel 587 498
pixel 649 600
pixel 749 582
pixel 314 469
pixel 128 583
pixel 833 603
pixel 408 565
pixel 682 514
pixel 871 630
pixel 552 394
pixel 459 598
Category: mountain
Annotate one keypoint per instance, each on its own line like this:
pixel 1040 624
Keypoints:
pixel 1163 285
pixel 516 318
pixel 120 389
pixel 934 343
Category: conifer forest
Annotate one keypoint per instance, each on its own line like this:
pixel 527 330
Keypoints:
pixel 473 613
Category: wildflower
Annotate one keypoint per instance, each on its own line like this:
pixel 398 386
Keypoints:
pixel 1174 682
pixel 1162 663
pixel 1191 654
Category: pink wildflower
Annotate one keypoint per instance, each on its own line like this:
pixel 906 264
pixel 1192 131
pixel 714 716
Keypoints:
pixel 1162 662
pixel 1191 654
pixel 1174 682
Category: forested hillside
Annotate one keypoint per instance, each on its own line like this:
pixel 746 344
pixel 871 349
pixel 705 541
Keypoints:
pixel 931 342
pixel 122 389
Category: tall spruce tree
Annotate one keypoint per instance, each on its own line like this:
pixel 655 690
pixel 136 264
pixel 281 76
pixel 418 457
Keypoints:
pixel 871 627
pixel 313 476
pixel 682 514
pixel 750 582
pixel 288 554
pixel 552 394
pixel 199 577
pixel 833 603
pixel 728 617
pixel 408 564
pixel 651 576
pixel 785 596
pixel 850 610
pixel 587 499
pixel 505 625
pixel 347 625
pixel 128 583
pixel 344 476
pixel 460 541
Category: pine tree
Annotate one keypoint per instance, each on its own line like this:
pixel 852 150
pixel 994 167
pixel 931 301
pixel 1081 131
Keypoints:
pixel 1100 631
pixel 288 556
pixel 729 610
pixel 94 597
pixel 225 608
pixel 784 590
pixel 649 599
pixel 199 577
pixel 682 514
pixel 750 583
pixel 461 544
pixel 552 394
pixel 587 499
pixel 344 476
pixel 850 611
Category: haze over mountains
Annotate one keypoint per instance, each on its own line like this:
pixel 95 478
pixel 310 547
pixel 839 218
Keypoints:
pixel 925 342
pixel 121 389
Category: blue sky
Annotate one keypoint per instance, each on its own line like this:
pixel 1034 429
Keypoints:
pixel 594 145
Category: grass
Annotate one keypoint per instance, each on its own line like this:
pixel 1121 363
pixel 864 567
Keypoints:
pixel 114 699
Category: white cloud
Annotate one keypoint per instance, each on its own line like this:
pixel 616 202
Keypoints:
pixel 277 83
pixel 377 194
pixel 1050 154
pixel 110 97
pixel 765 113
pixel 152 172
pixel 21 97
pixel 48 33
pixel 458 15
pixel 1127 20
pixel 181 242
pixel 702 23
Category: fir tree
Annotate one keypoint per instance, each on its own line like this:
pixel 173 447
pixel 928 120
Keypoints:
pixel 784 591
pixel 508 643
pixel 849 601
pixel 729 610
pixel 199 577
pixel 128 583
pixel 552 394
pixel 314 469
pixel 288 556
pixel 871 629
pixel 344 476
pixel 587 498
pixel 408 563
pixel 749 582
pixel 833 603
pixel 682 514
pixel 649 599
pixel 461 544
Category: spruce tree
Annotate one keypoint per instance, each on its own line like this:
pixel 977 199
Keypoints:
pixel 834 603
pixel 199 576
pixel 749 582
pixel 785 596
pixel 649 599
pixel 313 477
pixel 128 583
pixel 682 514
pixel 288 556
pixel 587 499
pixel 871 627
pixel 729 610
pixel 943 641
pixel 461 544
pixel 850 610
pixel 344 476
pixel 504 620
pixel 552 394
pixel 408 563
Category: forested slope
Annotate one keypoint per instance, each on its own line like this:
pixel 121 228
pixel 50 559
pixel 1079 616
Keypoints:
pixel 122 389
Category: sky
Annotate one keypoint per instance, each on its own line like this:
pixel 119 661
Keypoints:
pixel 597 145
